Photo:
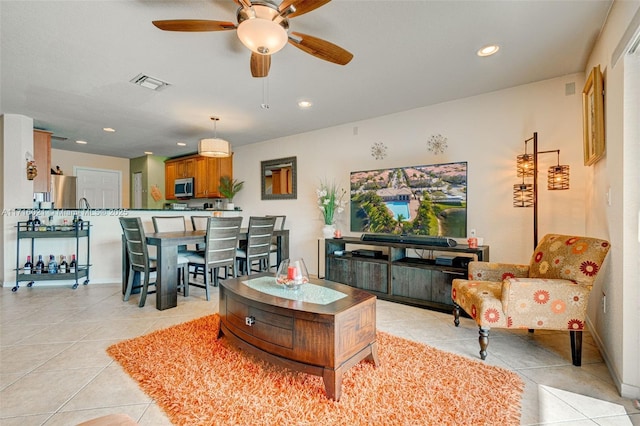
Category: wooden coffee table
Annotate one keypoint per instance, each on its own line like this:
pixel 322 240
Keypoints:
pixel 324 328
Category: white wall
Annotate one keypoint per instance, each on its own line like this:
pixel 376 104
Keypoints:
pixel 68 159
pixel 618 330
pixel 487 131
pixel 16 139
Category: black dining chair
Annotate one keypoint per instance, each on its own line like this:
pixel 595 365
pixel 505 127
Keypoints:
pixel 175 224
pixel 139 261
pixel 199 223
pixel 221 242
pixel 257 247
pixel 273 248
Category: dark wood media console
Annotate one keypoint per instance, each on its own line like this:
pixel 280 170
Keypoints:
pixel 405 273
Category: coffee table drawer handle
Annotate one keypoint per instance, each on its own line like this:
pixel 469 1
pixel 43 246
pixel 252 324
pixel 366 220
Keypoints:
pixel 249 321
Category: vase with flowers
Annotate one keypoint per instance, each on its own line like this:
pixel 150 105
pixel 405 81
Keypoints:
pixel 331 203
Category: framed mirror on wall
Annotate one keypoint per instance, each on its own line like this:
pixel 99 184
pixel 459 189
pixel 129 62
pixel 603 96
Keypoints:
pixel 279 179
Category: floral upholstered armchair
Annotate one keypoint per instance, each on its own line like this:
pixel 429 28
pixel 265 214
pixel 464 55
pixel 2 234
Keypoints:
pixel 552 292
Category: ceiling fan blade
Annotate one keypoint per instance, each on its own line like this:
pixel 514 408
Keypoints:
pixel 302 6
pixel 193 25
pixel 260 64
pixel 321 48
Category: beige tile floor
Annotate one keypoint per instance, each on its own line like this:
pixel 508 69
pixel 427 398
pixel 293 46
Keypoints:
pixel 54 369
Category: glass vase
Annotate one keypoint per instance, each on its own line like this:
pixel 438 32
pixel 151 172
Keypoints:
pixel 292 274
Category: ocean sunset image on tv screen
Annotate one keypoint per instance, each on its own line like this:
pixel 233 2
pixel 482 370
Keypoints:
pixel 415 200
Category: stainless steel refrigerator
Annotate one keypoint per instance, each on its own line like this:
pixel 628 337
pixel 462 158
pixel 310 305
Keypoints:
pixel 63 192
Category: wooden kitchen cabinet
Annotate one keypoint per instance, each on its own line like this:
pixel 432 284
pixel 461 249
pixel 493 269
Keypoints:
pixel 185 168
pixel 200 177
pixel 177 168
pixel 42 157
pixel 169 178
pixel 216 168
pixel 205 171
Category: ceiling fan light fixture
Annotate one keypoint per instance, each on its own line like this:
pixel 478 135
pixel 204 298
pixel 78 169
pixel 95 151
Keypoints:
pixel 262 36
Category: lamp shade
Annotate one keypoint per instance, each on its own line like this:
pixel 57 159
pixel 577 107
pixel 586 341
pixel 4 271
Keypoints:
pixel 523 195
pixel 558 177
pixel 262 36
pixel 214 147
pixel 525 165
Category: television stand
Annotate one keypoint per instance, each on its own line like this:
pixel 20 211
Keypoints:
pixel 405 272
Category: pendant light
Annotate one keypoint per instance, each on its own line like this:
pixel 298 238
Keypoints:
pixel 214 147
pixel 524 163
pixel 558 176
pixel 522 194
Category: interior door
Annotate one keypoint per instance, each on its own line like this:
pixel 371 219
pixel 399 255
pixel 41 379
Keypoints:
pixel 102 188
pixel 137 190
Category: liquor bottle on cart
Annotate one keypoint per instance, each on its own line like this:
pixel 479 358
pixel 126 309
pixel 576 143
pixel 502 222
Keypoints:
pixel 73 265
pixel 52 266
pixel 30 223
pixel 63 268
pixel 28 266
pixel 39 265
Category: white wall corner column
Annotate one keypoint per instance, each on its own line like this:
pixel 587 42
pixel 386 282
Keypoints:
pixel 16 139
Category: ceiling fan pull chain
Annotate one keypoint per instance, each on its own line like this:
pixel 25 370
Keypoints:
pixel 265 93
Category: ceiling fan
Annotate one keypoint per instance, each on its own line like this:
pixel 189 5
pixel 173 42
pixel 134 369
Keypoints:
pixel 263 27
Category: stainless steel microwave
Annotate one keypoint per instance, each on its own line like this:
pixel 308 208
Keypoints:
pixel 183 188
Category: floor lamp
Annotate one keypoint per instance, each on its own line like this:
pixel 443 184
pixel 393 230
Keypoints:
pixel 525 194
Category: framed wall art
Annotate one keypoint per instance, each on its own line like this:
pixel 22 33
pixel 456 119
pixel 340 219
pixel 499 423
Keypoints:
pixel 593 117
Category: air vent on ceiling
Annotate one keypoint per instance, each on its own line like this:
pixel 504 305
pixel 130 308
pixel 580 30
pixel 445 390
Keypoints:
pixel 149 82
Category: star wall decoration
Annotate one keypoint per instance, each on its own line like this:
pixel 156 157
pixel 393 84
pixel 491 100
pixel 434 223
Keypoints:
pixel 437 144
pixel 378 150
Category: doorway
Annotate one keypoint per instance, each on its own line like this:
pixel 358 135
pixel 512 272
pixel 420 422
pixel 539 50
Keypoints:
pixel 137 190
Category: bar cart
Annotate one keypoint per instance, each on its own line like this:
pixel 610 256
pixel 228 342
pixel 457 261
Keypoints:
pixel 77 231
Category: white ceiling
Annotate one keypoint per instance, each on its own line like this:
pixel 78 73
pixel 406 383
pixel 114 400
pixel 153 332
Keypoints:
pixel 68 64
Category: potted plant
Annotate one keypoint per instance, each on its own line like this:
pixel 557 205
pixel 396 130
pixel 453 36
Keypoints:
pixel 331 203
pixel 229 188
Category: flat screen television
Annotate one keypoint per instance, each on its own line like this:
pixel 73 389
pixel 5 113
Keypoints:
pixel 416 200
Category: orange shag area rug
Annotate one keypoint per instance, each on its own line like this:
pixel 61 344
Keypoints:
pixel 198 379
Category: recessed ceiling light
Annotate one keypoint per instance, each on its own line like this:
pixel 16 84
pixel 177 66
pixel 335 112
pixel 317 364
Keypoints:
pixel 108 129
pixel 305 104
pixel 148 152
pixel 181 144
pixel 488 50
pixel 82 142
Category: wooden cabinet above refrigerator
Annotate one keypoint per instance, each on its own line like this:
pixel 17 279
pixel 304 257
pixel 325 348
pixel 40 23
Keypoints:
pixel 42 157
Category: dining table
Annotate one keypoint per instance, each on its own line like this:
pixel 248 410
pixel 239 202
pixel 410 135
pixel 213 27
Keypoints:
pixel 167 244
